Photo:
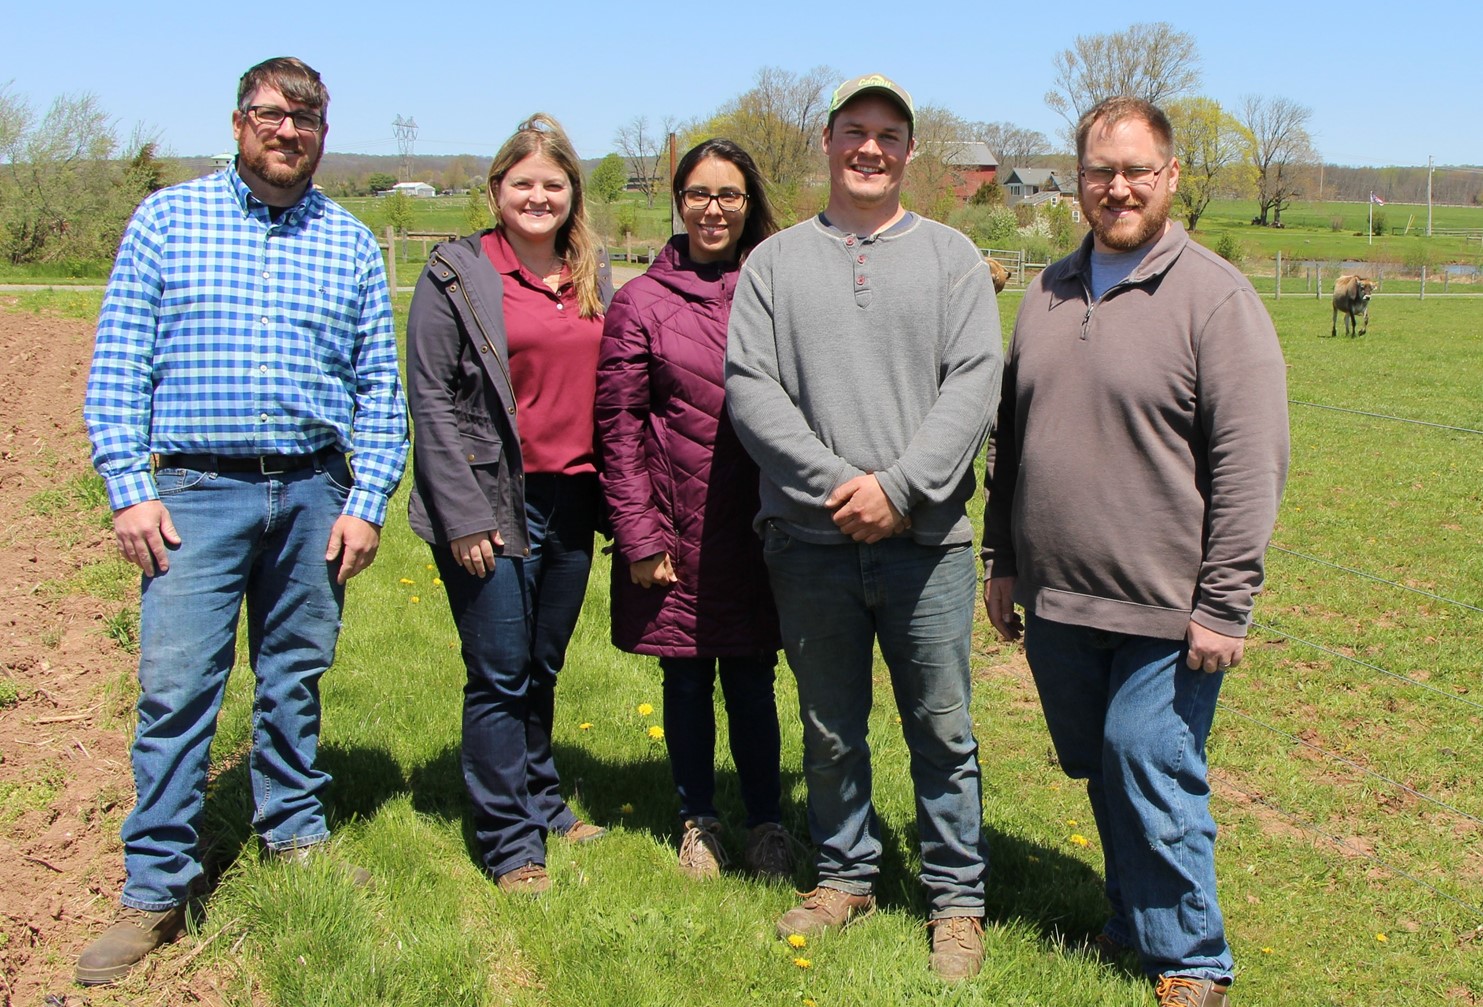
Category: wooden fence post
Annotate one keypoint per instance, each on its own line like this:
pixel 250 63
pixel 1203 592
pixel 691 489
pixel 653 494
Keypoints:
pixel 1318 282
pixel 391 259
pixel 1279 274
pixel 1423 282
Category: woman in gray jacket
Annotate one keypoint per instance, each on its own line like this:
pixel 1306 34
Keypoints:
pixel 505 325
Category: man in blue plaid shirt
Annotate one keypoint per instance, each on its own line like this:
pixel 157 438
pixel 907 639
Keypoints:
pixel 245 346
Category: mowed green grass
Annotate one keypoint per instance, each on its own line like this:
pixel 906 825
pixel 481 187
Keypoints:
pixel 1338 887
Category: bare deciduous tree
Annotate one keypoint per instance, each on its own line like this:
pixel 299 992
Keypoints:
pixel 1013 146
pixel 940 137
pixel 1281 152
pixel 779 121
pixel 1156 62
pixel 643 147
pixel 1211 145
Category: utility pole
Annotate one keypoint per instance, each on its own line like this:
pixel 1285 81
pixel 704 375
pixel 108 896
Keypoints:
pixel 1429 170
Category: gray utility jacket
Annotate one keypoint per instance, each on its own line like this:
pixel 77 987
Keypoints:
pixel 466 467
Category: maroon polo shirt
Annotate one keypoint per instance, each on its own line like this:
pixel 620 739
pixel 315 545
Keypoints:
pixel 553 364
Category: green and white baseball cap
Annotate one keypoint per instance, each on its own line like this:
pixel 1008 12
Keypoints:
pixel 856 86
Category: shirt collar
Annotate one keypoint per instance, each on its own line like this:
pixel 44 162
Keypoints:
pixel 310 204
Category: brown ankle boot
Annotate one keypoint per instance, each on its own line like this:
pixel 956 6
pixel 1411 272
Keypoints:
pixel 134 934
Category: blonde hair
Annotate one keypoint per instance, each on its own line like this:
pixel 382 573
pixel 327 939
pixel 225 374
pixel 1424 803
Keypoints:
pixel 576 242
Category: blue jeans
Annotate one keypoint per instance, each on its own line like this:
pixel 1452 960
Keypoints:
pixel 752 722
pixel 835 602
pixel 514 626
pixel 1131 719
pixel 242 536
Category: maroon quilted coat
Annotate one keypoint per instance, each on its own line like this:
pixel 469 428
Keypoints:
pixel 675 476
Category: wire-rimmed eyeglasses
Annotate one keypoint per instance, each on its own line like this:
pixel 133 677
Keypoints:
pixel 1138 176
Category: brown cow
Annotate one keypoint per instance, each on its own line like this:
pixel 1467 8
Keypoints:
pixel 1352 296
pixel 999 273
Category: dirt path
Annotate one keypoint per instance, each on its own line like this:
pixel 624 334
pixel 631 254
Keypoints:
pixel 64 765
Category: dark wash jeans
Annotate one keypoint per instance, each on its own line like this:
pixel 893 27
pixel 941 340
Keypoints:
pixel 752 730
pixel 514 626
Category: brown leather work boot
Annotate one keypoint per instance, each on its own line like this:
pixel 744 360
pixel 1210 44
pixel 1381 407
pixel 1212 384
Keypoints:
pixel 825 909
pixel 134 934
pixel 1190 991
pixel 957 947
pixel 527 879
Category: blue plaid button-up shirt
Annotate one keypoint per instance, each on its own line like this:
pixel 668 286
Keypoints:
pixel 226 332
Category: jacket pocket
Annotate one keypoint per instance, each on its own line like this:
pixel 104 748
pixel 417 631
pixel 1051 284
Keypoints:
pixel 481 447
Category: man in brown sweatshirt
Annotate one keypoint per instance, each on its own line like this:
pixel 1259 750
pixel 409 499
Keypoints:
pixel 1134 476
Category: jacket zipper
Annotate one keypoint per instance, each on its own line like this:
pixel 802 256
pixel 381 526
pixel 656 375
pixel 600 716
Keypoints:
pixel 463 289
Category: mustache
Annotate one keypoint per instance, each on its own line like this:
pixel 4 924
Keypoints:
pixel 1131 203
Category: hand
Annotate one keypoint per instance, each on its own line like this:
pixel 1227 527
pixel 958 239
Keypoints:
pixel 1210 650
pixel 656 569
pixel 476 552
pixel 354 542
pixel 864 512
pixel 999 600
pixel 145 534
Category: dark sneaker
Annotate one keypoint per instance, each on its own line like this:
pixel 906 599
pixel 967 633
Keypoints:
pixel 767 851
pixel 134 934
pixel 1190 991
pixel 530 879
pixel 825 909
pixel 583 832
pixel 957 947
pixel 303 856
pixel 701 855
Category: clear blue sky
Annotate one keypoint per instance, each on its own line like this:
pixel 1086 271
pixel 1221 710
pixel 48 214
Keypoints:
pixel 1388 83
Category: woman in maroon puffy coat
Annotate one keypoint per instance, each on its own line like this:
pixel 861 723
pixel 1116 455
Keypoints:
pixel 689 585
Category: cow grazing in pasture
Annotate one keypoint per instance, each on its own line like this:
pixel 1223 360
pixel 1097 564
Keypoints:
pixel 999 273
pixel 1351 296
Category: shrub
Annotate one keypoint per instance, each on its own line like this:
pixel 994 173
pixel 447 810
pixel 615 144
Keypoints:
pixel 1229 248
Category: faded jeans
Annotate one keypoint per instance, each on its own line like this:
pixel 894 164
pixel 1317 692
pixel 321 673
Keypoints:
pixel 249 536
pixel 835 603
pixel 1131 719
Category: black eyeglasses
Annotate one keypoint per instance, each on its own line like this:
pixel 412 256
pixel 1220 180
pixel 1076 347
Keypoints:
pixel 699 199
pixel 271 115
pixel 1137 176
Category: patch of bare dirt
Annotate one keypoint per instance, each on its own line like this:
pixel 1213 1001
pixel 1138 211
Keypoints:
pixel 65 782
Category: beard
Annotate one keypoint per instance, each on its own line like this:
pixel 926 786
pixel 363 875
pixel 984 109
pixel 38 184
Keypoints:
pixel 256 157
pixel 1132 233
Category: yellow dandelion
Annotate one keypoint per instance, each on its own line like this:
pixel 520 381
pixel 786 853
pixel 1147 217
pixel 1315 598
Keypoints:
pixel 406 580
pixel 429 567
pixel 584 726
pixel 416 600
pixel 656 733
pixel 797 940
pixel 645 709
pixel 1079 839
pixel 437 582
pixel 626 809
pixel 809 1002
pixel 803 963
pixel 1267 951
pixel 1382 938
pixel 1071 822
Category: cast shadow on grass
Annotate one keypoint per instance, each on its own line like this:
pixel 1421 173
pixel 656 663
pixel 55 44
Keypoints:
pixel 363 780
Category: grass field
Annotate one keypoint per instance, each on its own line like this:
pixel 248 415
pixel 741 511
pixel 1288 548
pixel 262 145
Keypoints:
pixel 1343 765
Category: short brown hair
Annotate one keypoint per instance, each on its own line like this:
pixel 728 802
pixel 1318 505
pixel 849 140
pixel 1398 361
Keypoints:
pixel 1112 111
pixel 295 79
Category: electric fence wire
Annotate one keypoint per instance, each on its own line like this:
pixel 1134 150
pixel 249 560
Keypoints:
pixel 1308 826
pixel 1385 416
pixel 1376 578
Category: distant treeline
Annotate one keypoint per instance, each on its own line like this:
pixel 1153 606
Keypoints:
pixel 1453 186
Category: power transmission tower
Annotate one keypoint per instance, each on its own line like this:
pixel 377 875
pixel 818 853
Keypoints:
pixel 406 136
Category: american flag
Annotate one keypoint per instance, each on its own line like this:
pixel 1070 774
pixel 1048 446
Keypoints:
pixel 1376 199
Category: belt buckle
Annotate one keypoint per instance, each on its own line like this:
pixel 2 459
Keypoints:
pixel 262 466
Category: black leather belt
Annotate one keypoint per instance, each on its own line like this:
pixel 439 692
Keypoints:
pixel 267 465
